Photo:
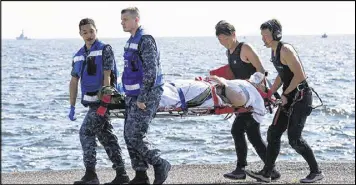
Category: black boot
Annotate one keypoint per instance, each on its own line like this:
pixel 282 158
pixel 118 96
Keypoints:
pixel 238 173
pixel 121 177
pixel 89 177
pixel 275 175
pixel 140 178
pixel 312 177
pixel 263 175
pixel 161 171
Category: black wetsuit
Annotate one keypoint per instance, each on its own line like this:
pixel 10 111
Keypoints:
pixel 244 122
pixel 290 117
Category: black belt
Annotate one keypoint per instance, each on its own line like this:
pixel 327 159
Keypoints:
pixel 303 85
pixel 92 93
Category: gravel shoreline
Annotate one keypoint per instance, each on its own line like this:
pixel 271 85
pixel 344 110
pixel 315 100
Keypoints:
pixel 335 173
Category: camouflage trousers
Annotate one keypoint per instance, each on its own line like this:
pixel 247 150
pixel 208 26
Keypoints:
pixel 136 125
pixel 96 126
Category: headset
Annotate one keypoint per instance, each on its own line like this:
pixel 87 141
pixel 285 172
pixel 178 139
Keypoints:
pixel 276 31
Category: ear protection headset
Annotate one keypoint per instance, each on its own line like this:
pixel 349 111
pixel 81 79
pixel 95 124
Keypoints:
pixel 276 31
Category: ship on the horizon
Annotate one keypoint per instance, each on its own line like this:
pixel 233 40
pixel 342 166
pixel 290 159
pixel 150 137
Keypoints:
pixel 324 36
pixel 22 37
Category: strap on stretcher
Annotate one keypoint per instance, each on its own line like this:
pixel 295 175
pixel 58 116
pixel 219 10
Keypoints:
pixel 181 97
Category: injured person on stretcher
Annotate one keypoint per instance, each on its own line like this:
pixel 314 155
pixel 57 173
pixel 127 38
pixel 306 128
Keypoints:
pixel 212 95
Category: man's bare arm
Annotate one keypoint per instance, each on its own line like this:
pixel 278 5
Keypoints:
pixel 252 57
pixel 276 84
pixel 219 80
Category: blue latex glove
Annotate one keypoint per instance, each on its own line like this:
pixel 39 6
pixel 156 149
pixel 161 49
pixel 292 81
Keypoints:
pixel 71 113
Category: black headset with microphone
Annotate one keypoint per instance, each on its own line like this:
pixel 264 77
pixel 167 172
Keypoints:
pixel 276 30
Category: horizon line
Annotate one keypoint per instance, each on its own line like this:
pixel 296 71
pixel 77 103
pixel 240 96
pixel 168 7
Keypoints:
pixel 174 36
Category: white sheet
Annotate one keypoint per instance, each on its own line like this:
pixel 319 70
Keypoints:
pixel 192 88
pixel 256 100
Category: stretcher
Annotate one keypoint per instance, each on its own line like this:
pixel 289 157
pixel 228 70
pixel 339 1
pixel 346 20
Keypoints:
pixel 198 97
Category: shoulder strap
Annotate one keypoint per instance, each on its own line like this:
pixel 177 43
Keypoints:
pixel 238 48
pixel 297 55
pixel 279 47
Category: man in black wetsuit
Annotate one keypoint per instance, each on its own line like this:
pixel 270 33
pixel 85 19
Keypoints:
pixel 243 62
pixel 295 108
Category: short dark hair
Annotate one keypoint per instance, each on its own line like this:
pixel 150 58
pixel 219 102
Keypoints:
pixel 132 10
pixel 86 21
pixel 275 27
pixel 272 25
pixel 223 27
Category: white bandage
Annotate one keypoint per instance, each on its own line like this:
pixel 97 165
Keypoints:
pixel 256 78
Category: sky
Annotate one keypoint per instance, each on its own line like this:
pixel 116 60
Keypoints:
pixel 57 19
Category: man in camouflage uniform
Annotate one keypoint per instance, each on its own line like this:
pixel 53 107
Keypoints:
pixel 142 82
pixel 95 60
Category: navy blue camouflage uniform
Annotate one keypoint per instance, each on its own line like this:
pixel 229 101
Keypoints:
pixel 100 127
pixel 137 120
